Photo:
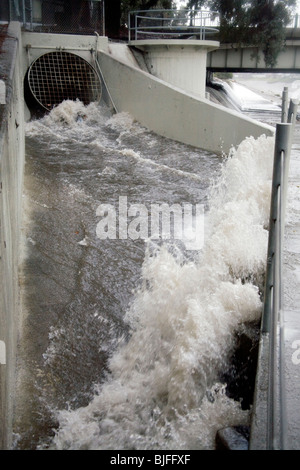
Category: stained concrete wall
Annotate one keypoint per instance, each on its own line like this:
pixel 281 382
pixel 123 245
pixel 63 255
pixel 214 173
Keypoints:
pixel 179 62
pixel 172 112
pixel 12 151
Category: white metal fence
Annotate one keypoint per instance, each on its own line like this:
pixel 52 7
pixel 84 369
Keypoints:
pixel 171 24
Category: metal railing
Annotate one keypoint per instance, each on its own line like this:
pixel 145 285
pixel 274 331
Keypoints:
pixel 171 24
pixel 272 319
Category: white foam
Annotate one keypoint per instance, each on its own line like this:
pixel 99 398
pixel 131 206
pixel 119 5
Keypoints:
pixel 163 390
pixel 72 117
pixel 137 156
pixel 121 121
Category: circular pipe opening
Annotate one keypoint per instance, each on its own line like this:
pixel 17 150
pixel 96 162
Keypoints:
pixel 58 76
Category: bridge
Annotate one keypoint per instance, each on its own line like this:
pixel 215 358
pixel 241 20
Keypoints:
pixel 241 58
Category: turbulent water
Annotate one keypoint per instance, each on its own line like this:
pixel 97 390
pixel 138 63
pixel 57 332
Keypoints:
pixel 125 340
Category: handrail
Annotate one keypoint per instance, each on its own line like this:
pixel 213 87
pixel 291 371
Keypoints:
pixel 272 319
pixel 170 23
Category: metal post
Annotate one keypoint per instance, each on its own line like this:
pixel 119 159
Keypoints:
pixel 129 28
pixel 103 18
pixel 14 11
pixel 282 144
pixel 31 15
pixel 292 112
pixel 291 118
pixel 273 286
pixel 24 13
pixel 284 105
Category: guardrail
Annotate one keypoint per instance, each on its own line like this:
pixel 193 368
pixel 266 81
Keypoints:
pixel 272 321
pixel 171 24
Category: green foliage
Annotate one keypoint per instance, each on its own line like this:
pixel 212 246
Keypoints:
pixel 132 5
pixel 268 21
pixel 260 23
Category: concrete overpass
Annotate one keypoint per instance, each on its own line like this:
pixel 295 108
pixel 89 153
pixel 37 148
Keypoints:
pixel 239 58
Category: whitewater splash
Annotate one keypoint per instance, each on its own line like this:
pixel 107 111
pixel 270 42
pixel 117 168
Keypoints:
pixel 163 390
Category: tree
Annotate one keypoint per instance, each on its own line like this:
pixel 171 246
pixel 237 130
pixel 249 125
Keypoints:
pixel 259 23
pixel 268 21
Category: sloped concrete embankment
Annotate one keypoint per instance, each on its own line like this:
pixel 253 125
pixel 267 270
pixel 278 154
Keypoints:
pixel 172 112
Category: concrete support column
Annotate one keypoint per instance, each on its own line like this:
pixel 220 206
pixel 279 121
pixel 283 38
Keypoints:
pixel 182 63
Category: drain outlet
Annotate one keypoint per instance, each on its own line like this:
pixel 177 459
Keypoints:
pixel 58 76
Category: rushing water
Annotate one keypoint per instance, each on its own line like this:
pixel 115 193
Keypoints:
pixel 124 341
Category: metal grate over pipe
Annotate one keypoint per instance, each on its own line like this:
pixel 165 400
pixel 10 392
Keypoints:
pixel 58 76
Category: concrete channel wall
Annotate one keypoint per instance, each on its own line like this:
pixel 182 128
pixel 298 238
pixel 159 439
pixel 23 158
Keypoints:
pixel 12 152
pixel 172 112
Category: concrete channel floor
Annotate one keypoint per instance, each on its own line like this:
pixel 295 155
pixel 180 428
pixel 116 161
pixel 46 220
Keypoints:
pixel 291 299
